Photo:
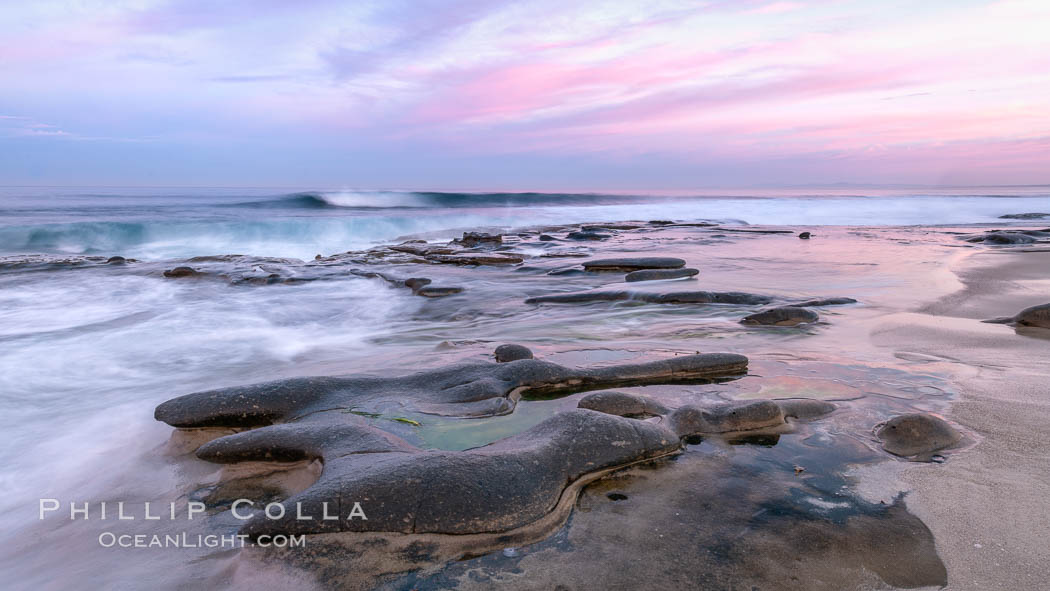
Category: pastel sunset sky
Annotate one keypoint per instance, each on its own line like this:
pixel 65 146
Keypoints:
pixel 541 95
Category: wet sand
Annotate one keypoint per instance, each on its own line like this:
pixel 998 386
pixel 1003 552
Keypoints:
pixel 988 507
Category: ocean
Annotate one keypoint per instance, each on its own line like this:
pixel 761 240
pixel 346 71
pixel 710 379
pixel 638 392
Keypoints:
pixel 158 223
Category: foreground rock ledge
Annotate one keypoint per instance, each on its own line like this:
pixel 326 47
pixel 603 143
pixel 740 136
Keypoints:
pixel 498 487
pixel 470 389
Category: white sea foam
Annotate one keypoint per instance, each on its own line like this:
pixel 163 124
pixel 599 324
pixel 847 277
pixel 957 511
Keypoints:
pixel 303 233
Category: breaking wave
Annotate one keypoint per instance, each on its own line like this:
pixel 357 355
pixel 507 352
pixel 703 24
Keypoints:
pixel 419 199
pixel 303 224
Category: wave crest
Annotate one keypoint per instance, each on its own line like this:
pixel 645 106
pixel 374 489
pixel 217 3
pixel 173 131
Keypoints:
pixel 419 199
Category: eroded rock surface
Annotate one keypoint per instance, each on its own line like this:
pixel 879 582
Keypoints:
pixel 497 487
pixel 472 239
pixel 622 404
pixel 657 274
pixel 1034 316
pixel 475 259
pixel 916 434
pixel 782 316
pixel 724 418
pixel 471 389
pixel 587 235
pixel 1002 238
pixel 510 352
pixel 633 264
pixel 1038 316
pixel 178 272
pixel 731 417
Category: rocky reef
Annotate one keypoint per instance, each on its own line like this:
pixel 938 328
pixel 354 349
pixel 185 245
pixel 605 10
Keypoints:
pixel 549 435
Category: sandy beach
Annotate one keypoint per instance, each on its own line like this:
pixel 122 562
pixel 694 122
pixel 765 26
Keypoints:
pixel 987 507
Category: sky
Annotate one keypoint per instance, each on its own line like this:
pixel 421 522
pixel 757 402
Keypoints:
pixel 540 95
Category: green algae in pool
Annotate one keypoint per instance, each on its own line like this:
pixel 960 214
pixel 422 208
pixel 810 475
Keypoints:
pixel 457 434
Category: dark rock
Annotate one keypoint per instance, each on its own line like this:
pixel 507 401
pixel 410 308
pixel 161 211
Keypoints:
pixel 1024 216
pixel 678 297
pixel 916 434
pixel 600 227
pixel 293 442
pixel 657 274
pixel 583 235
pixel 181 272
pixel 475 259
pixel 622 404
pixel 708 297
pixel 473 389
pixel 494 488
pixel 421 248
pixel 1034 316
pixel 547 238
pixel 805 235
pixel 437 292
pixel 783 316
pixel 472 239
pixel 633 264
pixel 271 279
pixel 118 260
pixel 505 353
pixel 1002 238
pixel 825 302
pixel 724 418
pixel 661 222
pixel 420 286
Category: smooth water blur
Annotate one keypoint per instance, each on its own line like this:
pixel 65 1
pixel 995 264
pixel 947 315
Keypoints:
pixel 165 223
pixel 85 354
